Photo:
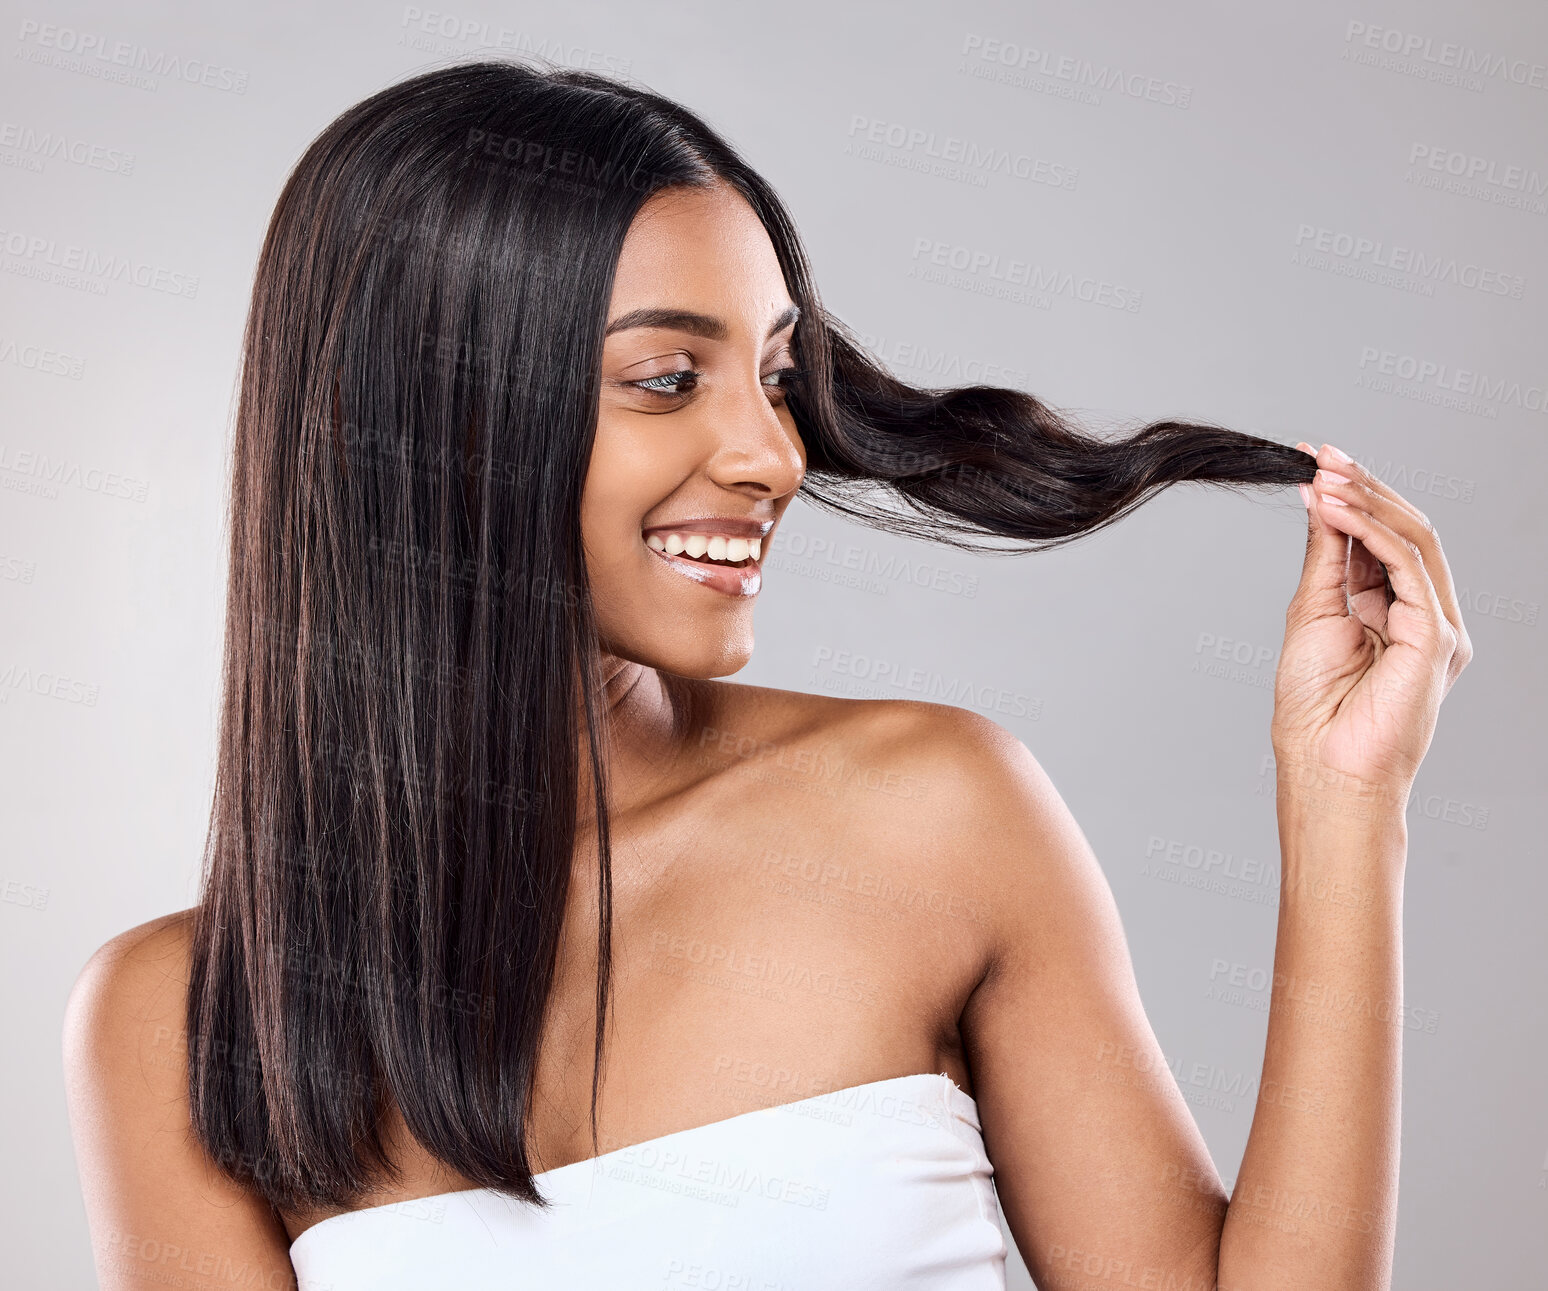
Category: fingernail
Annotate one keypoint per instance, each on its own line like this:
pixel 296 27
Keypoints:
pixel 1338 453
pixel 1331 500
pixel 1329 478
pixel 1305 495
pixel 1307 448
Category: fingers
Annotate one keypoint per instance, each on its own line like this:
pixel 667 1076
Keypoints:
pixel 1336 460
pixel 1392 509
pixel 1322 593
pixel 1340 479
pixel 1415 619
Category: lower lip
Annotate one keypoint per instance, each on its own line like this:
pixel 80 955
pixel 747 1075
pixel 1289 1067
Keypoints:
pixel 737 581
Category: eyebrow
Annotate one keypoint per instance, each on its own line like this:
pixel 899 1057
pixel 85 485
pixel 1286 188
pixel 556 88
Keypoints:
pixel 685 320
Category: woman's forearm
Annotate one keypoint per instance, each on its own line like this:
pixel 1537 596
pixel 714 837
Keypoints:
pixel 1315 1203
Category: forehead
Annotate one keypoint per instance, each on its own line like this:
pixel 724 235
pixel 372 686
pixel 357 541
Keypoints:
pixel 703 249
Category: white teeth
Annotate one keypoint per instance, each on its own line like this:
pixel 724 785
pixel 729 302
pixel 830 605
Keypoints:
pixel 699 545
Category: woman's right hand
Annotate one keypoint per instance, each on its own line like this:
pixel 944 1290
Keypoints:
pixel 1374 639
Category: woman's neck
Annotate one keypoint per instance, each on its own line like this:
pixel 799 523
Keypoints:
pixel 644 716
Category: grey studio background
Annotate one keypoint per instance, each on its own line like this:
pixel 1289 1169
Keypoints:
pixel 1325 221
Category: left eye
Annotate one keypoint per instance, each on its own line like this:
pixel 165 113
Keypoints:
pixel 788 378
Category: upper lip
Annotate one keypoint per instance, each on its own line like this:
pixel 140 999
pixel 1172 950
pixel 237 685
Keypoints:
pixel 726 526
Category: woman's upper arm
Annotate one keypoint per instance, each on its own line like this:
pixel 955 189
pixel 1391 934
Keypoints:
pixel 160 1211
pixel 1101 1171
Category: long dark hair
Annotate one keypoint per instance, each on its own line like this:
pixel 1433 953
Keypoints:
pixel 410 641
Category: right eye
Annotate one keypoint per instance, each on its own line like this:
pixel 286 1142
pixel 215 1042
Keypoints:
pixel 669 384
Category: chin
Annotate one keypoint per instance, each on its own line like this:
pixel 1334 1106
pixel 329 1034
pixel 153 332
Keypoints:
pixel 686 651
pixel 713 660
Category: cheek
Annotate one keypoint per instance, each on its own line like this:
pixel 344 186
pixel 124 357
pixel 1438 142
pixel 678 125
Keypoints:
pixel 629 474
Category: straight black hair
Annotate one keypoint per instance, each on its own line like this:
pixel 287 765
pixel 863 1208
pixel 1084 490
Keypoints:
pixel 410 639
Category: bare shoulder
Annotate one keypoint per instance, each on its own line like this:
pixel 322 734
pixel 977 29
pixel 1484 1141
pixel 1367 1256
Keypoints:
pixel 136 977
pixel 906 750
pixel 980 805
pixel 942 793
pixel 147 1183
pixel 125 1061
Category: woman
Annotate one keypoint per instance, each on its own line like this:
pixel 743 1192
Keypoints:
pixel 533 368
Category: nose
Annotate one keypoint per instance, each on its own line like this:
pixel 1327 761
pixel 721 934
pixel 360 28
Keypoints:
pixel 757 447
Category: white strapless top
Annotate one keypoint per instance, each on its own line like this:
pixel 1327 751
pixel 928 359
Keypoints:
pixel 882 1185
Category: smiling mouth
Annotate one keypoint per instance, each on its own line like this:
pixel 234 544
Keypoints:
pixel 707 560
pixel 704 549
